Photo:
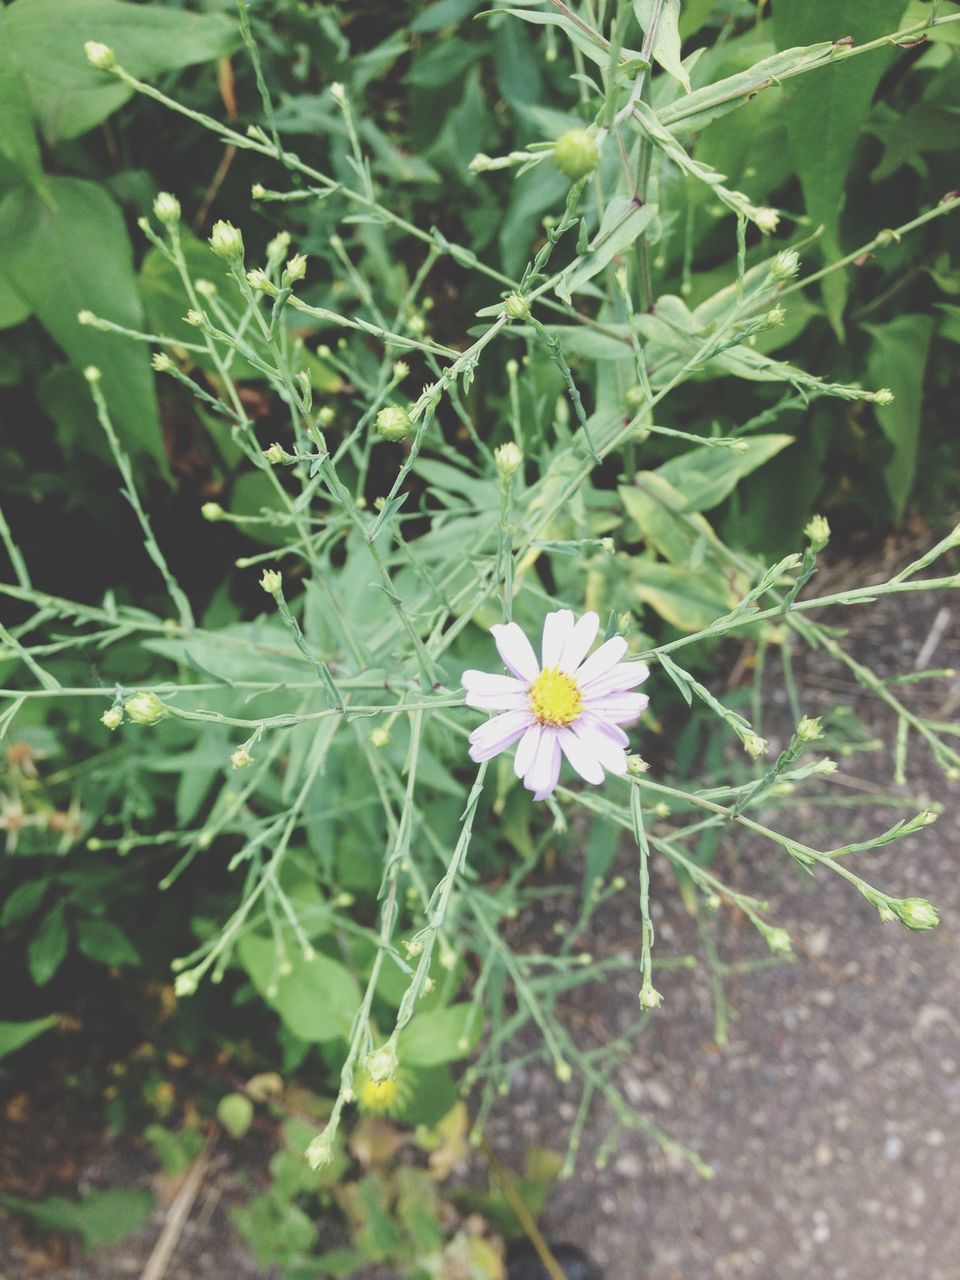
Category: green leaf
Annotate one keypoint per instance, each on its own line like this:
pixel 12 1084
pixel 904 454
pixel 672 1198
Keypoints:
pixel 14 1035
pixel 106 943
pixel 689 600
pixel 898 360
pixel 317 999
pixel 704 477
pixel 439 1036
pixel 47 949
pixel 23 901
pixel 99 1218
pixel 75 256
pixel 624 220
pixel 18 138
pixel 443 14
pixel 666 44
pixel 13 309
pixel 429 1095
pixel 45 39
pixel 826 109
pixel 659 512
pixel 442 62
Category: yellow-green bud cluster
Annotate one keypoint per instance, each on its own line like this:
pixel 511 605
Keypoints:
pixel 818 531
pixel 227 242
pixel 271 581
pixel 508 459
pixel 516 307
pixel 166 209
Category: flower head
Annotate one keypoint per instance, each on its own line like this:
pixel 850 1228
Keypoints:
pixel 565 704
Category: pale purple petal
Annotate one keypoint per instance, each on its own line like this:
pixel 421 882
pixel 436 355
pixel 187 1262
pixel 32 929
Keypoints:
pixel 527 749
pixel 497 735
pixel 619 707
pixel 600 662
pixel 612 731
pixel 516 651
pixel 557 630
pixel 609 755
pixel 544 772
pixel 580 756
pixel 492 692
pixel 578 645
pixel 625 675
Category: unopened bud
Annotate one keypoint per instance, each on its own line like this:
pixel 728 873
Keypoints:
pixel 112 719
pixel 241 758
pixel 393 423
pixel 271 581
pixel 380 737
pixel 100 55
pixel 576 153
pixel 400 370
pixel 916 913
pixel 145 708
pixel 818 531
pixel 785 265
pixel 212 511
pixel 166 208
pixel 381 1064
pixel 516 307
pixel 508 459
pixel 274 454
pixel 162 363
pixel 650 997
pixel 766 220
pixel 754 745
pixel 319 1153
pixel 809 729
pixel 227 242
pixel 296 269
pixel 883 397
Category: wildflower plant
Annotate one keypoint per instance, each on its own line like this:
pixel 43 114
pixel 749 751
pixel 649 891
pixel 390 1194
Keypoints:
pixel 329 747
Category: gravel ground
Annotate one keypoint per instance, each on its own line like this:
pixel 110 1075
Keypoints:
pixel 830 1118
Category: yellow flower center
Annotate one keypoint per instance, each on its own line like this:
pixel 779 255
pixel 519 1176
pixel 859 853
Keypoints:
pixel 555 698
pixel 378 1095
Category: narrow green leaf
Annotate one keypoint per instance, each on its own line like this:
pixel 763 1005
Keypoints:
pixel 666 44
pixel 898 360
pixel 14 1035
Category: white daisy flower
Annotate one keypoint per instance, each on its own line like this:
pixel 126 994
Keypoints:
pixel 565 704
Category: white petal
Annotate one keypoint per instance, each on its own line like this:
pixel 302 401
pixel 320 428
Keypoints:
pixel 516 651
pixel 497 734
pixel 578 645
pixel 544 772
pixel 612 757
pixel 493 693
pixel 606 727
pixel 557 629
pixel 527 750
pixel 600 662
pixel 580 756
pixel 620 708
pixel 625 675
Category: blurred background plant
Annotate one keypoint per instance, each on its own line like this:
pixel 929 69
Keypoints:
pixel 418 173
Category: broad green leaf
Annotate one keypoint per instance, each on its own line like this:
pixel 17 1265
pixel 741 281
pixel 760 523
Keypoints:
pixel 14 1035
pixel 441 1035
pixel 67 96
pixel 13 309
pixel 826 110
pixel 317 998
pixel 704 477
pixel 105 942
pixel 18 137
pixel 949 325
pixel 75 256
pixel 99 1218
pixel 48 947
pixel 660 514
pixel 666 44
pixel 623 221
pixel 898 360
pixel 23 901
pixel 924 127
pixel 444 13
pixel 688 599
pixel 442 62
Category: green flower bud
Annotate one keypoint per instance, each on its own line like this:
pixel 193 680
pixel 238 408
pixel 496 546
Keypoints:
pixel 809 729
pixel 380 737
pixel 382 1064
pixel 319 1154
pixel 296 269
pixel 274 454
pixel 227 242
pixel 100 55
pixel 112 719
pixel 818 531
pixel 766 220
pixel 916 913
pixel 577 153
pixel 271 581
pixel 212 511
pixel 650 997
pixel 145 708
pixel 508 460
pixel 393 423
pixel 166 208
pixel 516 307
pixel 241 758
pixel 785 265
